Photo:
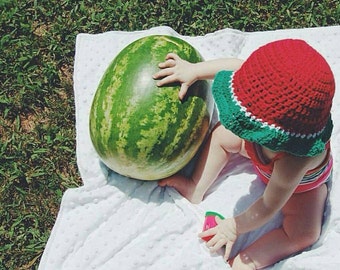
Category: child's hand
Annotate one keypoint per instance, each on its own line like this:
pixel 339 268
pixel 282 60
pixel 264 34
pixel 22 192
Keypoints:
pixel 175 69
pixel 224 234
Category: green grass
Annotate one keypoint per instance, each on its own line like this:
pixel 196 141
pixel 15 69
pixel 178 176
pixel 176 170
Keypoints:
pixel 37 114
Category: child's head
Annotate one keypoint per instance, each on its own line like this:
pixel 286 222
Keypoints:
pixel 280 98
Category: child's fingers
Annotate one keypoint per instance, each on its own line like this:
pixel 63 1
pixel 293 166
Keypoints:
pixel 172 56
pixel 218 220
pixel 228 248
pixel 170 61
pixel 162 73
pixel 167 64
pixel 206 233
pixel 183 91
pixel 215 244
pixel 166 80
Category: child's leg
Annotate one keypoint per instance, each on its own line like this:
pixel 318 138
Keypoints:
pixel 214 157
pixel 302 221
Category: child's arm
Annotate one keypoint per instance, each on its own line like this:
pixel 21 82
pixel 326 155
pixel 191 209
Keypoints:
pixel 175 69
pixel 287 174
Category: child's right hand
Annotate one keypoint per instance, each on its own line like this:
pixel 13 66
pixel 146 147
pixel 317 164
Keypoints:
pixel 175 69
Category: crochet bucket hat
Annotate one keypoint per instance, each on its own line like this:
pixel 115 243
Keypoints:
pixel 280 98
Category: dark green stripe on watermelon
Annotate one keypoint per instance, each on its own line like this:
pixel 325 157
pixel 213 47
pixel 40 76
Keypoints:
pixel 143 131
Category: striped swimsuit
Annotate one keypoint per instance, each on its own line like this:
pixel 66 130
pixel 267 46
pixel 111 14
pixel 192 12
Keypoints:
pixel 312 179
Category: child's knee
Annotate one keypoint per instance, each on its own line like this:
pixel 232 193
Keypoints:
pixel 306 239
pixel 227 140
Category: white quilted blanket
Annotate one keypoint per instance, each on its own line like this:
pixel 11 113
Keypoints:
pixel 112 222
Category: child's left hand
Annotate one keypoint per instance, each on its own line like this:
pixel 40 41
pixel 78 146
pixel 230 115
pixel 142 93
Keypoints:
pixel 224 234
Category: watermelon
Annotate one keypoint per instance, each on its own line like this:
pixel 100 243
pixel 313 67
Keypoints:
pixel 143 131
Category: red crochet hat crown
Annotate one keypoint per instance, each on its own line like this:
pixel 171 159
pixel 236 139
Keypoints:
pixel 281 98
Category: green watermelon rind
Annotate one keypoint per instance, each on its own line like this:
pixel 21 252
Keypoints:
pixel 138 132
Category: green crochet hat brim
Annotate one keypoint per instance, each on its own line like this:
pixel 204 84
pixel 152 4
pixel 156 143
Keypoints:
pixel 234 118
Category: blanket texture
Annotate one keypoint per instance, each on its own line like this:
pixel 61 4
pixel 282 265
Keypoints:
pixel 112 222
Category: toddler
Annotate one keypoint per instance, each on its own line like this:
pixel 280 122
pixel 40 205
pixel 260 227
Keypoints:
pixel 274 108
